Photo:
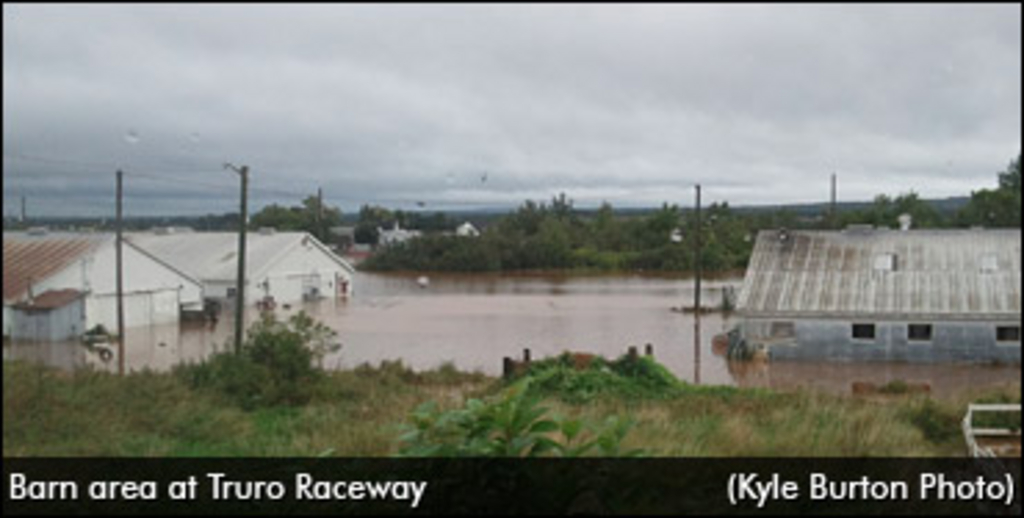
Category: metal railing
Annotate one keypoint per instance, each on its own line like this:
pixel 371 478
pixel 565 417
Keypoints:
pixel 971 434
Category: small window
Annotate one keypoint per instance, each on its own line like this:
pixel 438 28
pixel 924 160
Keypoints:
pixel 231 293
pixel 885 262
pixel 989 264
pixel 863 331
pixel 783 330
pixel 919 332
pixel 1008 333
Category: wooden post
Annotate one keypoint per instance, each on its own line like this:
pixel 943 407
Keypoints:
pixel 649 350
pixel 526 356
pixel 632 352
pixel 508 367
pixel 119 265
pixel 699 264
pixel 240 281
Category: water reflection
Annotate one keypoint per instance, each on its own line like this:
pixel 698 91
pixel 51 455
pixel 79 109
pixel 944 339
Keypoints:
pixel 475 320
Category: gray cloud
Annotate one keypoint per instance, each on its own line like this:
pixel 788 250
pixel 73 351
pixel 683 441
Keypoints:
pixel 398 104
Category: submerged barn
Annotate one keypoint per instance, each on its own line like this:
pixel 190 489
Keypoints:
pixel 879 294
pixel 57 285
pixel 281 267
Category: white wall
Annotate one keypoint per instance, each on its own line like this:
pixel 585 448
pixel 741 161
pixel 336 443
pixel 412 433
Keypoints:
pixel 140 309
pixel 8 321
pixel 153 292
pixel 303 266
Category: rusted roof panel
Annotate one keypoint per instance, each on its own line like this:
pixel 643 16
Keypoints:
pixel 50 299
pixel 31 259
pixel 968 274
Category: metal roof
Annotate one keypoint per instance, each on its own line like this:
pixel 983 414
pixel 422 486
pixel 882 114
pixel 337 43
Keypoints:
pixel 31 258
pixel 50 299
pixel 213 256
pixel 941 274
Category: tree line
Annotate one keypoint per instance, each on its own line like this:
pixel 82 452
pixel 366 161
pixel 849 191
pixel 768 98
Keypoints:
pixel 556 236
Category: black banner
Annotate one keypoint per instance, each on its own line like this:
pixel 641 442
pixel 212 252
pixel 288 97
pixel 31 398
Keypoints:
pixel 511 486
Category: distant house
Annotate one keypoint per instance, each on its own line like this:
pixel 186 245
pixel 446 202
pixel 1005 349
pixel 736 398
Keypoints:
pixel 879 294
pixel 467 230
pixel 45 273
pixel 283 267
pixel 345 237
pixel 395 235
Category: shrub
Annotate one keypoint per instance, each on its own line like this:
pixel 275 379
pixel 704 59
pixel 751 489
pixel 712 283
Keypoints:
pixel 578 378
pixel 274 368
pixel 512 424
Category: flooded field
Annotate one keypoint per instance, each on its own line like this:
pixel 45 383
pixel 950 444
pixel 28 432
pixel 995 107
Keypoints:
pixel 474 321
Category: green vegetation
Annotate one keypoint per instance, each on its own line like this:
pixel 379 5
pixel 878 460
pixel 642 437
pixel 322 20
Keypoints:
pixel 366 411
pixel 512 424
pixel 556 236
pixel 273 399
pixel 307 217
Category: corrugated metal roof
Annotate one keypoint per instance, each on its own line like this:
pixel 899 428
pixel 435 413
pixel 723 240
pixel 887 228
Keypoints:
pixel 213 256
pixel 33 258
pixel 50 299
pixel 969 274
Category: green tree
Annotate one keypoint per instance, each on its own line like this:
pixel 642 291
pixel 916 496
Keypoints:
pixel 307 217
pixel 999 207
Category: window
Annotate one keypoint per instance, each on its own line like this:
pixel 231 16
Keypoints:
pixel 1008 333
pixel 919 332
pixel 885 262
pixel 863 331
pixel 989 264
pixel 783 330
pixel 231 293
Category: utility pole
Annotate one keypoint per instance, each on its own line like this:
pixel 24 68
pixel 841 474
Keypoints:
pixel 120 275
pixel 243 215
pixel 833 212
pixel 23 214
pixel 696 293
pixel 320 214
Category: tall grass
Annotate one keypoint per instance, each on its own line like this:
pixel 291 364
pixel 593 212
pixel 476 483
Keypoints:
pixel 361 412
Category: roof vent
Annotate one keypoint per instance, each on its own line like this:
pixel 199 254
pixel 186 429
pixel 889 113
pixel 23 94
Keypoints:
pixel 37 231
pixel 906 220
pixel 784 235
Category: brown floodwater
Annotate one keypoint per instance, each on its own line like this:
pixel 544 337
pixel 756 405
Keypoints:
pixel 473 321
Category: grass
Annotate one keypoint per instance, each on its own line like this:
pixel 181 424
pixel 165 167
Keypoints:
pixel 361 412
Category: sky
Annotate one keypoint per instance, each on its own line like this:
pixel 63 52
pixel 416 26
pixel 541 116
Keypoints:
pixel 442 107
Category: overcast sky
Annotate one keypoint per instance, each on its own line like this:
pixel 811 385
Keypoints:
pixel 462 106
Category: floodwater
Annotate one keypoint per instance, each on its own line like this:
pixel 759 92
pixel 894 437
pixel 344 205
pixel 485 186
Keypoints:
pixel 474 321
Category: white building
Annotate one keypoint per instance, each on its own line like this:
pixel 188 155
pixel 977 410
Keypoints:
pixel 285 267
pixel 48 266
pixel 395 235
pixel 467 230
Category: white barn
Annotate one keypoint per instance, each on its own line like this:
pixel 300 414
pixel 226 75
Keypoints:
pixel 285 267
pixel 40 264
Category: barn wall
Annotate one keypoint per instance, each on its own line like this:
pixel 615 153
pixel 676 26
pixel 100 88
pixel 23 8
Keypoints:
pixel 140 309
pixel 822 339
pixel 303 269
pixel 60 324
pixel 8 321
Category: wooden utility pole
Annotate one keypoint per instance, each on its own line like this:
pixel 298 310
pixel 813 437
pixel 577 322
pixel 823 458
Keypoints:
pixel 698 266
pixel 120 275
pixel 320 214
pixel 834 213
pixel 243 216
